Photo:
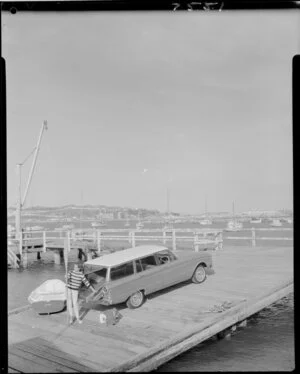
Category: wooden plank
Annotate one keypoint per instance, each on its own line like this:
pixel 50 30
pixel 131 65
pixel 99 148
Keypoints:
pixel 12 370
pixel 19 310
pixel 78 331
pixel 24 365
pixel 26 353
pixel 127 330
pixel 28 363
pixel 48 351
pixel 98 358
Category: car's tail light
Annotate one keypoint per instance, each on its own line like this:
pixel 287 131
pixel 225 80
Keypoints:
pixel 105 295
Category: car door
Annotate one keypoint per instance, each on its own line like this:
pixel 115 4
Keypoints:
pixel 174 271
pixel 122 283
pixel 149 275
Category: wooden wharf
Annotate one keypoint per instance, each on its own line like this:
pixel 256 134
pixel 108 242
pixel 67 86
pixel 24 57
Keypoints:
pixel 246 280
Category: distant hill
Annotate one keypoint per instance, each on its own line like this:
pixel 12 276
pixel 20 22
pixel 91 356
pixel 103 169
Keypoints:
pixel 88 211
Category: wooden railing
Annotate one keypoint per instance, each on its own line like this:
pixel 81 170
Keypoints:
pixel 44 239
pixel 95 237
pixel 253 238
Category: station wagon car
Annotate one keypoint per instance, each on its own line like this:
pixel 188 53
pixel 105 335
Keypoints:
pixel 131 274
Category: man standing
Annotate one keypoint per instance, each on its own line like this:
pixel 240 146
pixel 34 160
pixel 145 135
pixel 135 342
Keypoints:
pixel 74 279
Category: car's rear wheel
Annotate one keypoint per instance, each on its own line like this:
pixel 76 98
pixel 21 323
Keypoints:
pixel 199 275
pixel 135 300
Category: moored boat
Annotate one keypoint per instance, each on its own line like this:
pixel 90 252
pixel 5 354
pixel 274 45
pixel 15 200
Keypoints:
pixel 68 227
pixel 276 223
pixel 205 221
pixel 49 297
pixel 255 220
pixel 234 225
pixel 139 225
pixel 98 224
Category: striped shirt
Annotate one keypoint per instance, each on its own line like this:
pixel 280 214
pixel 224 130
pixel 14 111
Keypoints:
pixel 75 278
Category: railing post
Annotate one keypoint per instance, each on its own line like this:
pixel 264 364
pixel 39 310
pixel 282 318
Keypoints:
pixel 196 245
pixel 164 237
pixel 21 243
pixel 220 242
pixel 130 237
pixel 253 237
pixel 133 239
pixel 68 241
pixel 98 242
pixel 174 239
pixel 44 241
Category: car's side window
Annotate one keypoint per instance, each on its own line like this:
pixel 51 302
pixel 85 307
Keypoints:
pixel 121 271
pixel 148 262
pixel 139 266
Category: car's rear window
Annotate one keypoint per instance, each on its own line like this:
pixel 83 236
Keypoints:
pixel 121 271
pixel 96 276
pixel 147 263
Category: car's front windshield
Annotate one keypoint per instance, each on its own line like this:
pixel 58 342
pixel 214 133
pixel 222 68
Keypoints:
pixel 166 254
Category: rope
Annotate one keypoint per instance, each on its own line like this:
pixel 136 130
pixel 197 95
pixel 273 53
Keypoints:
pixel 28 156
pixel 66 250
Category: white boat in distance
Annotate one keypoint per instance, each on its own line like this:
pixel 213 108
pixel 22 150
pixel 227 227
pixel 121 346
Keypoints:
pixel 276 223
pixel 139 225
pixel 234 225
pixel 68 227
pixel 255 220
pixel 287 220
pixel 168 227
pixel 127 223
pixel 34 228
pixel 98 224
pixel 205 221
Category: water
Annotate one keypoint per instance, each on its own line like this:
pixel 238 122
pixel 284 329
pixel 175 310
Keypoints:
pixel 266 344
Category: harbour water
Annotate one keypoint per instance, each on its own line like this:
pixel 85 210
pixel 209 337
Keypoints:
pixel 265 344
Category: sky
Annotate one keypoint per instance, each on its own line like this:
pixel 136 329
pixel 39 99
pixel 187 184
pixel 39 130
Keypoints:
pixel 137 103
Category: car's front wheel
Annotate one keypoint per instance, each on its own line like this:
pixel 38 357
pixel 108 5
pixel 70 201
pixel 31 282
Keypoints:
pixel 135 300
pixel 199 275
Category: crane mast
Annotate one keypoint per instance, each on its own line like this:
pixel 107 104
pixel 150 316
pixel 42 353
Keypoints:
pixel 20 202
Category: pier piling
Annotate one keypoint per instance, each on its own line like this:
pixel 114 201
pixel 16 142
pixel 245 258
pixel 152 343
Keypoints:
pixel 98 242
pixel 174 240
pixel 24 258
pixel 253 237
pixel 56 256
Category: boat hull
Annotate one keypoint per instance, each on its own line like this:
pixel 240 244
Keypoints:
pixel 48 307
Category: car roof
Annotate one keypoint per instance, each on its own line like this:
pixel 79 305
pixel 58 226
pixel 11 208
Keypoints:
pixel 125 255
